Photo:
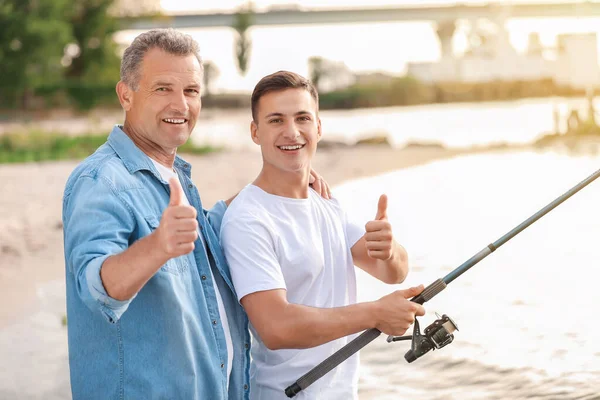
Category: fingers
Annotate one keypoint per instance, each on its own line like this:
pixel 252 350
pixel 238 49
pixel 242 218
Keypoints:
pixel 317 186
pixel 382 208
pixel 420 310
pixel 380 254
pixel 176 197
pixel 413 291
pixel 375 233
pixel 183 212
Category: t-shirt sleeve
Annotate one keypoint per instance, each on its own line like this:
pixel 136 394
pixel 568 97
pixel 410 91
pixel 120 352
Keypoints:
pixel 354 232
pixel 353 229
pixel 249 248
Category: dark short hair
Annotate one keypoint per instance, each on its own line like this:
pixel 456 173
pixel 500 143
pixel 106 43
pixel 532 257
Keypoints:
pixel 281 80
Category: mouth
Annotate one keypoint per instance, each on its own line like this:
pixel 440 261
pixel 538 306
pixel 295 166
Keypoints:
pixel 175 121
pixel 292 147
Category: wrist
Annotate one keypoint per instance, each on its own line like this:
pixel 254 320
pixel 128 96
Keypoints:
pixel 157 253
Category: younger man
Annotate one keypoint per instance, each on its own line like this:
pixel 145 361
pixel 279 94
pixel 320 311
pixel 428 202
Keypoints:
pixel 292 254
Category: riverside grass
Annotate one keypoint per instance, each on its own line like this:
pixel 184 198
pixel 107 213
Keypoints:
pixel 42 146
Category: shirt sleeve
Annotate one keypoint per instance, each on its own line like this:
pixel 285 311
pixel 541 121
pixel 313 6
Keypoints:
pixel 97 224
pixel 353 229
pixel 353 232
pixel 215 215
pixel 249 248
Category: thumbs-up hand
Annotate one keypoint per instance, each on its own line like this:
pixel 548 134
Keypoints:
pixel 178 229
pixel 379 238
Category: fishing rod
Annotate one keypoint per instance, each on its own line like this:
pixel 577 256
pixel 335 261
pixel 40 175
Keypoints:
pixel 439 333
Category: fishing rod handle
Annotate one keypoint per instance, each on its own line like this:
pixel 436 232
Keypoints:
pixel 427 294
pixel 332 361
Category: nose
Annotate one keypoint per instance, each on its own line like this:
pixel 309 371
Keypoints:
pixel 179 102
pixel 291 131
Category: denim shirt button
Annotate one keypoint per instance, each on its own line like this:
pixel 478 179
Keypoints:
pixel 247 346
pixel 186 166
pixel 190 186
pixel 203 277
pixel 214 321
pixel 222 365
pixel 245 387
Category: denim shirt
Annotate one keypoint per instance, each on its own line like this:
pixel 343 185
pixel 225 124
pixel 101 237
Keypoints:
pixel 167 342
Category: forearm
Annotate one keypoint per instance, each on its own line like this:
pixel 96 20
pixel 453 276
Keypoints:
pixel 394 269
pixel 301 327
pixel 124 274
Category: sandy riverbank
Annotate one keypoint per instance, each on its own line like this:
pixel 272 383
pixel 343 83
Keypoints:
pixel 33 354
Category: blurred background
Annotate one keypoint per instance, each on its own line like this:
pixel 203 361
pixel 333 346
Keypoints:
pixel 470 115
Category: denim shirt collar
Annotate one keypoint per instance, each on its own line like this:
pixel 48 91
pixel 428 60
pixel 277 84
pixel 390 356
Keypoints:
pixel 135 159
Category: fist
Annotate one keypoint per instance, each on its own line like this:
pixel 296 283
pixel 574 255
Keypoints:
pixel 178 229
pixel 378 236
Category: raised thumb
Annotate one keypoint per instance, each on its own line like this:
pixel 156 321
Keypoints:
pixel 177 194
pixel 382 208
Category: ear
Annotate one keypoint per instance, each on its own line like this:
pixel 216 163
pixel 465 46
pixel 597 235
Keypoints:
pixel 254 132
pixel 124 93
pixel 319 132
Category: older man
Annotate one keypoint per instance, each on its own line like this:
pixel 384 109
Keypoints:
pixel 151 307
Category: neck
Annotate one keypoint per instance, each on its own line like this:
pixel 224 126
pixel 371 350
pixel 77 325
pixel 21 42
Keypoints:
pixel 161 155
pixel 283 183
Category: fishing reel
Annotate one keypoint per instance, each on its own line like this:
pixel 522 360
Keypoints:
pixel 435 336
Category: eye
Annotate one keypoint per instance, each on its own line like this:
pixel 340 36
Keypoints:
pixel 193 91
pixel 161 89
pixel 275 121
pixel 304 118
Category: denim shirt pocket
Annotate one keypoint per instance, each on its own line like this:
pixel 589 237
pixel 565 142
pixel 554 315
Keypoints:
pixel 175 266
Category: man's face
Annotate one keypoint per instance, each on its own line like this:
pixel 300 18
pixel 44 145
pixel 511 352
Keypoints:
pixel 166 105
pixel 287 129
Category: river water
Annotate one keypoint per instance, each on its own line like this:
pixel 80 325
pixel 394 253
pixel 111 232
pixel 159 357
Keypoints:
pixel 526 313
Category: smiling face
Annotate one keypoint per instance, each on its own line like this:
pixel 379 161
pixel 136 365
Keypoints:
pixel 287 129
pixel 162 112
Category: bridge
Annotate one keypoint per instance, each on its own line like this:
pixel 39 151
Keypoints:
pixel 433 13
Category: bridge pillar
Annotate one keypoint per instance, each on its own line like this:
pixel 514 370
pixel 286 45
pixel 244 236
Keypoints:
pixel 445 31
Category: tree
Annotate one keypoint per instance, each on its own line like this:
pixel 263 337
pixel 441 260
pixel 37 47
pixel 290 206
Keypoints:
pixel 316 70
pixel 211 72
pixel 33 35
pixel 243 21
pixel 93 53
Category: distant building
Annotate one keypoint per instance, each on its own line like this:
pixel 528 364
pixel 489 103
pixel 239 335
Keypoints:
pixel 575 61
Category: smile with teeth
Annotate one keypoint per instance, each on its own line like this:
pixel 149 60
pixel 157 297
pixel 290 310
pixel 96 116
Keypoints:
pixel 292 147
pixel 176 121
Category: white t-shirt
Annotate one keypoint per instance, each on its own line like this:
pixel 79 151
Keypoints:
pixel 167 174
pixel 303 246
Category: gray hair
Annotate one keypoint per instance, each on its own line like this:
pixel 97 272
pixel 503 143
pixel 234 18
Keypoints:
pixel 168 40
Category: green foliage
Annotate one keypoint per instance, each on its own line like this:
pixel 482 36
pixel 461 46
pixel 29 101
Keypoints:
pixel 409 91
pixel 63 44
pixel 92 27
pixel 316 70
pixel 243 21
pixel 40 146
pixel 33 34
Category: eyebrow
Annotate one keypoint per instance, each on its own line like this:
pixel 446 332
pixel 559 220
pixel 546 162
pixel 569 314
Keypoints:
pixel 278 114
pixel 161 83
